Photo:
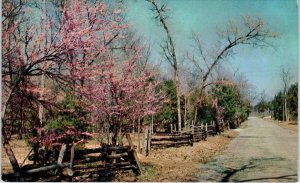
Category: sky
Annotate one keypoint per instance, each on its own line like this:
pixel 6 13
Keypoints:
pixel 261 66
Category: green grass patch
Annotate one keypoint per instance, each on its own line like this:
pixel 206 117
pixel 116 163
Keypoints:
pixel 148 172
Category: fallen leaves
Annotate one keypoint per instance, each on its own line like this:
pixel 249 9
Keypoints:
pixel 179 164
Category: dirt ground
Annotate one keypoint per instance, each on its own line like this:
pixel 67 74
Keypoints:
pixel 178 164
pixel 291 125
pixel 20 149
pixel 171 164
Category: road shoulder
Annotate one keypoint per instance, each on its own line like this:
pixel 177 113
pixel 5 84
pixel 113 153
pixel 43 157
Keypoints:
pixel 292 126
pixel 180 164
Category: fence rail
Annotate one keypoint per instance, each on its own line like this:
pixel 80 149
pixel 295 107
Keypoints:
pixel 105 160
pixel 177 139
pixel 199 133
pixel 165 140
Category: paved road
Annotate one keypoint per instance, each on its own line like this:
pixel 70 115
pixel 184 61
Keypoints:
pixel 262 152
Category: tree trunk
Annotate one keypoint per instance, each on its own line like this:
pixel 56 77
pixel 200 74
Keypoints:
pixel 139 133
pixel 195 116
pixel 11 155
pixel 152 120
pixel 21 120
pixel 171 56
pixel 283 114
pixel 188 121
pixel 41 108
pixel 285 109
pixel 9 152
pixel 5 103
pixel 185 113
pixel 133 128
pixel 116 130
pixel 42 83
pixel 178 99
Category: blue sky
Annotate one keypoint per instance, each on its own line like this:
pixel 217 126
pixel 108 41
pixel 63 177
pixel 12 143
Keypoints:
pixel 260 65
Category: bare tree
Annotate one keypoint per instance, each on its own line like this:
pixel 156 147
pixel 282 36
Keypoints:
pixel 168 50
pixel 286 78
pixel 252 32
pixel 187 88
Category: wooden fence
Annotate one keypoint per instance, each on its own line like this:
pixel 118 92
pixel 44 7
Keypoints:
pixel 102 161
pixel 199 133
pixel 177 139
pixel 223 125
pixel 211 129
pixel 111 160
pixel 165 140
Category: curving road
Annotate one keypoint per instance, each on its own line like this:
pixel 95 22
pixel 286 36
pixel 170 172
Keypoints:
pixel 263 151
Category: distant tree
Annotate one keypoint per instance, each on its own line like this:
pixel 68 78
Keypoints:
pixel 292 100
pixel 277 106
pixel 263 105
pixel 206 114
pixel 228 99
pixel 286 78
pixel 230 104
pixel 168 113
pixel 244 110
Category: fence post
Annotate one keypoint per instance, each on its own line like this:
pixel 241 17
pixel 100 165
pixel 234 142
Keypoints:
pixel 193 129
pixel 61 154
pixel 171 128
pixel 145 143
pixel 206 127
pixel 148 143
pixel 133 156
pixel 107 134
pixel 192 139
pixel 152 125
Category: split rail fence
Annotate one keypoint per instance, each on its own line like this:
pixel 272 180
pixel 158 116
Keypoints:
pixel 102 161
pixel 165 140
pixel 177 139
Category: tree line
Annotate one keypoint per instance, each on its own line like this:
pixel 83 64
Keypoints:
pixel 283 106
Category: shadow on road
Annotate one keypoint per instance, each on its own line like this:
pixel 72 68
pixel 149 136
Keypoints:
pixel 226 173
pixel 230 171
pixel 252 137
pixel 286 177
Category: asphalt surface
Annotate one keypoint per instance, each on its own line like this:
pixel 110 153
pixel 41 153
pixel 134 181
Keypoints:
pixel 263 151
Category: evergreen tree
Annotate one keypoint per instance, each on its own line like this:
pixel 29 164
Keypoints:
pixel 292 98
pixel 277 106
pixel 228 99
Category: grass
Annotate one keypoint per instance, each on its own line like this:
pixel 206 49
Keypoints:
pixel 148 172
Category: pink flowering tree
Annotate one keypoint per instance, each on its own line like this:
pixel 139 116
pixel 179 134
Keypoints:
pixel 116 92
pixel 69 52
pixel 107 82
